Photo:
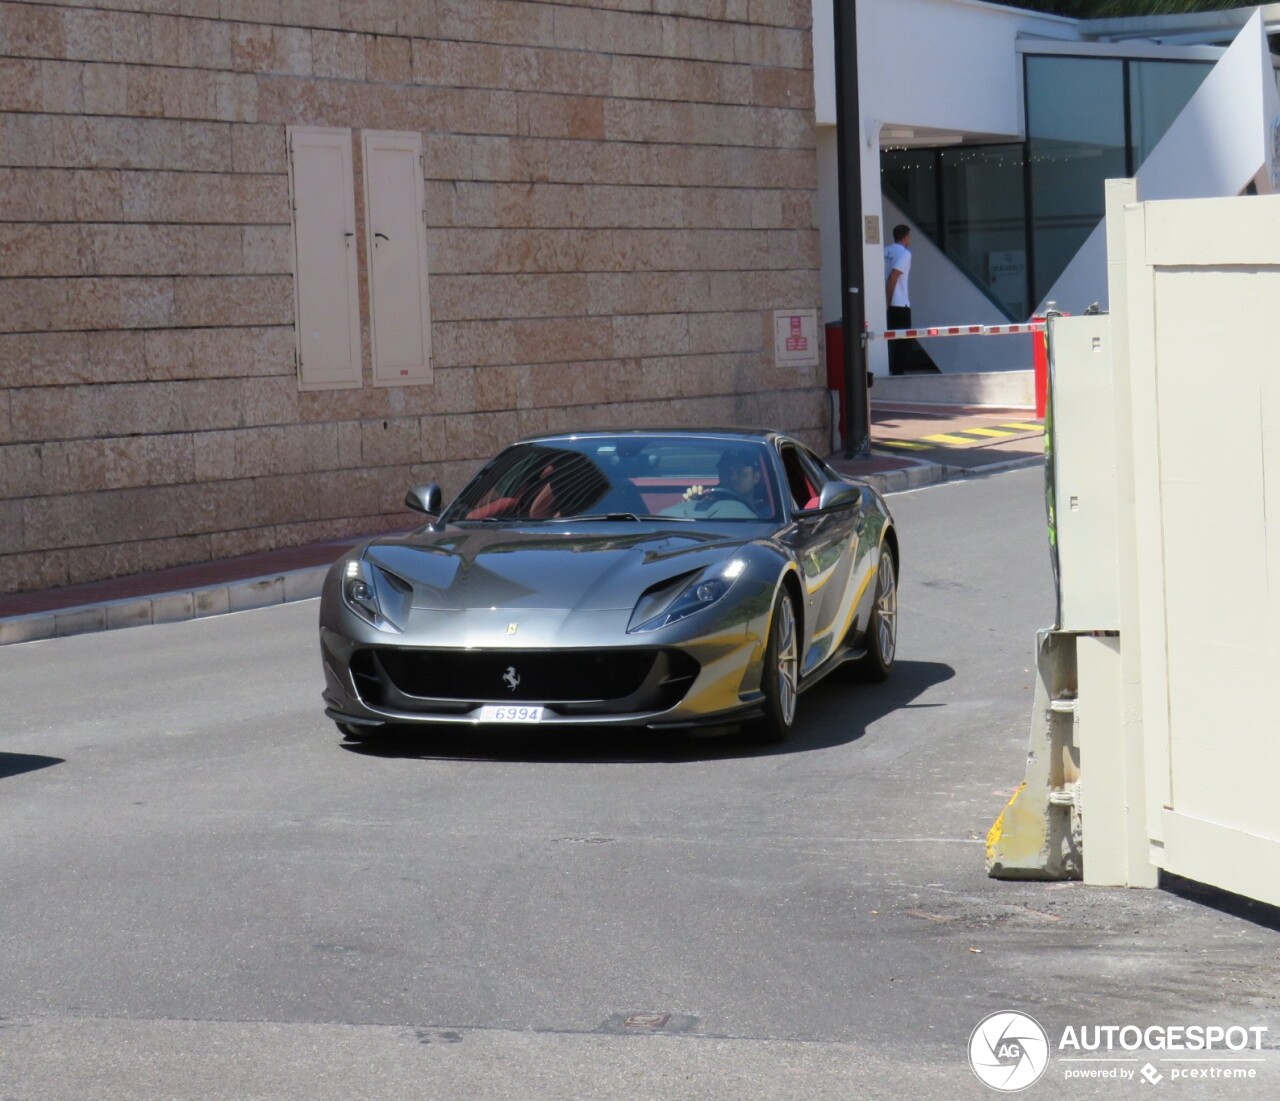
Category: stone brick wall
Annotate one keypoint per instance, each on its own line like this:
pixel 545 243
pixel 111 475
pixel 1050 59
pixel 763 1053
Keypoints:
pixel 619 194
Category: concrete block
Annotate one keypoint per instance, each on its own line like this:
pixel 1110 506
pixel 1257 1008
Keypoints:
pixel 1006 389
pixel 389 60
pixel 28 195
pixel 218 353
pixel 220 301
pixel 128 613
pixel 269 401
pixel 207 250
pixel 390 441
pixel 26 628
pixel 266 250
pixel 32 31
pixel 95 196
pixel 236 543
pixel 304 584
pixel 107 36
pixel 287 498
pixel 338 56
pixel 14 536
pixel 79 621
pixel 206 43
pixel 562 340
pixel 259 593
pixel 21 475
pixel 261 149
pixel 171 607
pixel 20 85
pixel 207 602
pixel 214 456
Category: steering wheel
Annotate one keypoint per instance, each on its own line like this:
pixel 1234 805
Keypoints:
pixel 709 497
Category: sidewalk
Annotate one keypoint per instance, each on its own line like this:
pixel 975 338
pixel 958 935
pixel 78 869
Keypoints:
pixel 912 446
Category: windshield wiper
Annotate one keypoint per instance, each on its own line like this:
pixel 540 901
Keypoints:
pixel 629 517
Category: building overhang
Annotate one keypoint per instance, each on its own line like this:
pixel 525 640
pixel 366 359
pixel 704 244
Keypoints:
pixel 1207 28
pixel 1133 50
pixel 929 137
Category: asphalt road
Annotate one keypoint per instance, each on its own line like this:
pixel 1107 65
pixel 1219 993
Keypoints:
pixel 204 895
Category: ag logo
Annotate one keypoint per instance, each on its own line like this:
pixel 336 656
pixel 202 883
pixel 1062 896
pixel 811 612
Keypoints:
pixel 511 678
pixel 1009 1051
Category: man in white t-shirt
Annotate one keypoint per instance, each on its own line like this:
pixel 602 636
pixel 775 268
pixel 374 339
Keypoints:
pixel 897 272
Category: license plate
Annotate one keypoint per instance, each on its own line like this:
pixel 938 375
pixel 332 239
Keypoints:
pixel 499 714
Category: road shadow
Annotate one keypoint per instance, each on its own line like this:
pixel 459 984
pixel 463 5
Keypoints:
pixel 835 712
pixel 15 764
pixel 1259 913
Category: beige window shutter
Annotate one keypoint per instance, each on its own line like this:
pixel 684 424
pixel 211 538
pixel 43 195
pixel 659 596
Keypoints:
pixel 326 260
pixel 396 240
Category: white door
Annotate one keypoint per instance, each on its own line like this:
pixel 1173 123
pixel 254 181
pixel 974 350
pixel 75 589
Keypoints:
pixel 325 274
pixel 1204 280
pixel 399 312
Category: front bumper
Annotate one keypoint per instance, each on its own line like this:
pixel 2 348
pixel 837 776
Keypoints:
pixel 703 682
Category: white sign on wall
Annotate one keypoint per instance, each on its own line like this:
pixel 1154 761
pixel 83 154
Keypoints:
pixel 795 338
pixel 1007 275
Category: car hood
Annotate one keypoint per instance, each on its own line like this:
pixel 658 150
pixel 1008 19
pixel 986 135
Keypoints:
pixel 566 567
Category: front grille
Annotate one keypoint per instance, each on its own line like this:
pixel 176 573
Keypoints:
pixel 647 679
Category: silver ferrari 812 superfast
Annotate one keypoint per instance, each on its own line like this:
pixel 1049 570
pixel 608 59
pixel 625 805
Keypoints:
pixel 661 579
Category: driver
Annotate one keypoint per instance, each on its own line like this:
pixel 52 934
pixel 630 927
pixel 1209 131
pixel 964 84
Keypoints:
pixel 740 474
pixel 738 477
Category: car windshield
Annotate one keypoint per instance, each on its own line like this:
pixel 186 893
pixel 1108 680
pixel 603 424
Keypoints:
pixel 623 478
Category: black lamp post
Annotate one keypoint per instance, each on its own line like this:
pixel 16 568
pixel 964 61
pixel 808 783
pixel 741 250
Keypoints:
pixel 857 413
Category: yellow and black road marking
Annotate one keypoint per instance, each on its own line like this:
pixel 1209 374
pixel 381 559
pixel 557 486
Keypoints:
pixel 902 445
pixel 964 437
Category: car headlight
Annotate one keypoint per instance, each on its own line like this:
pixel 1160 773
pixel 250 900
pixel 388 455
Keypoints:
pixel 682 596
pixel 360 593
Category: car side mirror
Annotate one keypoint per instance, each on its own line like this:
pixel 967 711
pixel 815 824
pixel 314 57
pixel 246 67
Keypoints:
pixel 427 498
pixel 838 495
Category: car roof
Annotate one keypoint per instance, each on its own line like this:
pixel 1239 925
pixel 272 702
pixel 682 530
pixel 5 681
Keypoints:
pixel 741 435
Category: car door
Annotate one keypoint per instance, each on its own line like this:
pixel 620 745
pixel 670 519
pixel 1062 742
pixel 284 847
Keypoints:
pixel 826 546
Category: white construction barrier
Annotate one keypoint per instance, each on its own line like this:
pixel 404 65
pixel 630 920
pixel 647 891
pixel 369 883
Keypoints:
pixel 1164 511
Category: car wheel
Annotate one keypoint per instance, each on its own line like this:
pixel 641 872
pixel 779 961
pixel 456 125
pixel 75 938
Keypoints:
pixel 882 630
pixel 781 677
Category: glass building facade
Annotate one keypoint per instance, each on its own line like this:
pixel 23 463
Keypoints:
pixel 1012 216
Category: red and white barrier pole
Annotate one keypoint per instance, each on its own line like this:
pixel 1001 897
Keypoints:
pixel 1039 344
pixel 1036 325
pixel 1040 364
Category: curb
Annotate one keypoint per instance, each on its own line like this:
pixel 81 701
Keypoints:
pixel 928 474
pixel 170 607
pixel 912 477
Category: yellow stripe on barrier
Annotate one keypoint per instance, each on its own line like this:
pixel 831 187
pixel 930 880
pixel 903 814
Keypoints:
pixel 990 433
pixel 1025 427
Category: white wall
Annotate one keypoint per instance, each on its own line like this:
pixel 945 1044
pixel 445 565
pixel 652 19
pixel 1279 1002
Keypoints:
pixel 949 65
pixel 946 64
pixel 1219 142
pixel 937 63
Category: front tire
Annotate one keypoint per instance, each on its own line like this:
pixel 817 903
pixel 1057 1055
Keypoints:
pixel 882 628
pixel 780 679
